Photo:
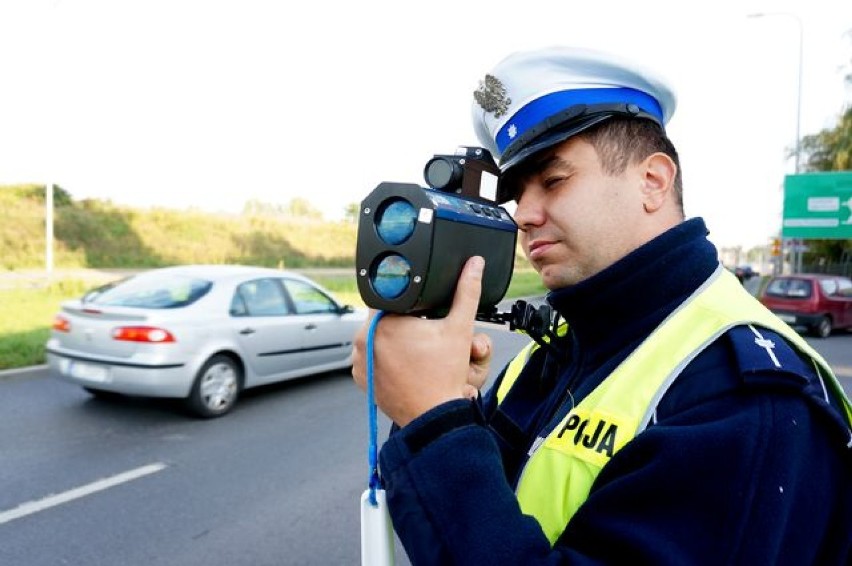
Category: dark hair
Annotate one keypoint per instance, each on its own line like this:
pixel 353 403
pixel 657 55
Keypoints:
pixel 621 141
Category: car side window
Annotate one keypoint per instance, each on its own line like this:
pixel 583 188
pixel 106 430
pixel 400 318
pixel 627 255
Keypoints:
pixel 844 287
pixel 238 305
pixel 308 299
pixel 829 286
pixel 261 297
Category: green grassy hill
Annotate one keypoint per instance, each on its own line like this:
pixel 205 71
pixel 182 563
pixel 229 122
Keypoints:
pixel 99 234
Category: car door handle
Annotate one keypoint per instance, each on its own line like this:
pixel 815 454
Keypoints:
pixel 310 326
pixel 247 331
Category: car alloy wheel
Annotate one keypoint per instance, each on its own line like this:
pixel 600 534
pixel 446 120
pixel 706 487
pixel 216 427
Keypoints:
pixel 823 327
pixel 216 387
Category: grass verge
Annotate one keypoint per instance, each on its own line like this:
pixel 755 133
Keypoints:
pixel 26 316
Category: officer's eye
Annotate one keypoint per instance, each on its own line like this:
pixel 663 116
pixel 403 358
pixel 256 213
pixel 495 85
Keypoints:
pixel 555 180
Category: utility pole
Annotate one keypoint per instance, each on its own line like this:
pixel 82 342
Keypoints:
pixel 796 249
pixel 48 230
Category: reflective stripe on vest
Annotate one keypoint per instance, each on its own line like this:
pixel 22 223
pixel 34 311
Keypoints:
pixel 557 478
pixel 513 370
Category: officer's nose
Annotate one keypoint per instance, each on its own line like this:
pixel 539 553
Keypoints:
pixel 530 211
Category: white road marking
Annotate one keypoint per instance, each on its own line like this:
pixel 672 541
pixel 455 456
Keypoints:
pixel 31 507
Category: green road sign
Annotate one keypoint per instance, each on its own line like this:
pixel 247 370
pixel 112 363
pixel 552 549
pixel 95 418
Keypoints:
pixel 818 205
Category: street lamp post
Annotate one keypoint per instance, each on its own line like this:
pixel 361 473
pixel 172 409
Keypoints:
pixel 797 253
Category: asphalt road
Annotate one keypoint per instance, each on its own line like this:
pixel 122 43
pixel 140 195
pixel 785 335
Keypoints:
pixel 136 482
pixel 278 481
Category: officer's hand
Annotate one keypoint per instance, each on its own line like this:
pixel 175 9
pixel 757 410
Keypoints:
pixel 421 363
pixel 480 360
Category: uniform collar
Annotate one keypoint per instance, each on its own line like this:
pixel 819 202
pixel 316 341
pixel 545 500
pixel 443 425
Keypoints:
pixel 628 299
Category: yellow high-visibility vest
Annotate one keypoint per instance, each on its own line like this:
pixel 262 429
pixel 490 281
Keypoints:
pixel 559 474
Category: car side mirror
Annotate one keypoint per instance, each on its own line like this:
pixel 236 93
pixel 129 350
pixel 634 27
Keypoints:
pixel 346 309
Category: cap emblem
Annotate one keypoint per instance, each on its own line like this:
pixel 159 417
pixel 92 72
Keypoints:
pixel 491 96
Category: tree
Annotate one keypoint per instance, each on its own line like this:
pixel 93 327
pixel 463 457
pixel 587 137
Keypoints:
pixel 351 212
pixel 302 208
pixel 297 208
pixel 830 150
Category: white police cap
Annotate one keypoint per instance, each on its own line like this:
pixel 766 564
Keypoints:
pixel 534 99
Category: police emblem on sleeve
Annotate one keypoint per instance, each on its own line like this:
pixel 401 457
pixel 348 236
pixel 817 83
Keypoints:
pixel 491 96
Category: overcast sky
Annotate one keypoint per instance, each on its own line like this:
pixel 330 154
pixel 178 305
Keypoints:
pixel 184 103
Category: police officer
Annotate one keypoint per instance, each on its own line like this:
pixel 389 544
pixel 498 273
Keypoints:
pixel 672 419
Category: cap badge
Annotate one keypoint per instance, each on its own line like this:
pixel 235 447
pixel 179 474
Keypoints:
pixel 491 96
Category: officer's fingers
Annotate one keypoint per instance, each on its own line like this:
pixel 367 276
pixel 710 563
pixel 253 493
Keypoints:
pixel 359 352
pixel 359 372
pixel 359 341
pixel 468 291
pixel 480 358
pixel 476 377
pixel 470 392
pixel 480 348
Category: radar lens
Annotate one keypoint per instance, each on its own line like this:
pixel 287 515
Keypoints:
pixel 395 221
pixel 439 172
pixel 391 277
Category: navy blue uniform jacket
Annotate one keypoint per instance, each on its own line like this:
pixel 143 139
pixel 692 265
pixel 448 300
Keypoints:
pixel 746 463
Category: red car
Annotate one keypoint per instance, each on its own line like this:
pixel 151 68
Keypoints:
pixel 818 302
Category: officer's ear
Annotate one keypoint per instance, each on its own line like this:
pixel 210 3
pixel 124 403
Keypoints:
pixel 657 183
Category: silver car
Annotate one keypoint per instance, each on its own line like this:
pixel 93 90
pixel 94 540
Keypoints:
pixel 202 333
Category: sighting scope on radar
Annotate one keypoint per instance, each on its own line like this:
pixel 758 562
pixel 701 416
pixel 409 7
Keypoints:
pixel 413 241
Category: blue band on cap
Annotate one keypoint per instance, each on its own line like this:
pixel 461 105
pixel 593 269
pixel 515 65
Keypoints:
pixel 542 108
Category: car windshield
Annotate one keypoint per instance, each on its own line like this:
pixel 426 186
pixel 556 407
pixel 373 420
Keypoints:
pixel 160 292
pixel 790 288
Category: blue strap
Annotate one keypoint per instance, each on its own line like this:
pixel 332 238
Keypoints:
pixel 375 481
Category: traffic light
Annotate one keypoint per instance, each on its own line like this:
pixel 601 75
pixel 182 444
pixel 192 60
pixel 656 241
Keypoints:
pixel 776 247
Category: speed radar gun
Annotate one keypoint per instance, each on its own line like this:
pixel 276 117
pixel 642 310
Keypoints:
pixel 413 241
pixel 412 244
